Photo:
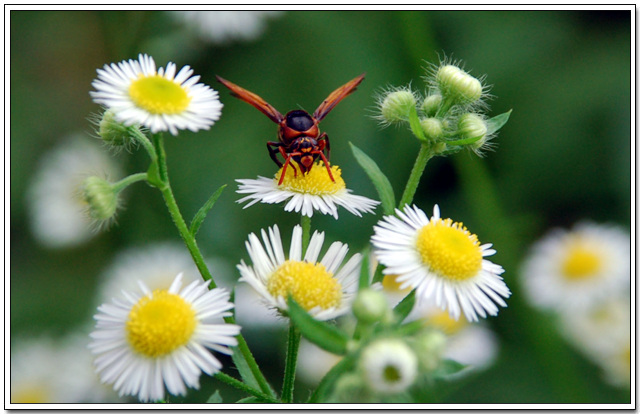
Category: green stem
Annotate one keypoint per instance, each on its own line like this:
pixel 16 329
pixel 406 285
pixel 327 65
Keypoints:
pixel 416 172
pixel 229 380
pixel 143 140
pixel 127 181
pixel 290 366
pixel 305 222
pixel 198 259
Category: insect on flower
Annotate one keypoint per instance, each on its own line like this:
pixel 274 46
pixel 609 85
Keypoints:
pixel 299 137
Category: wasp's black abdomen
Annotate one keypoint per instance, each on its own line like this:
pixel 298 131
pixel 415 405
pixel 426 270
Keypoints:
pixel 299 120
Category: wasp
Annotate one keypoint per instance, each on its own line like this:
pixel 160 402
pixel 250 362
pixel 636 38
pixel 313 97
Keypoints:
pixel 299 138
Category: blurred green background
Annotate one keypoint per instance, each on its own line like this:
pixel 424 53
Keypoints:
pixel 564 156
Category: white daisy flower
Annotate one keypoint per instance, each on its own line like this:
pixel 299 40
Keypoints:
pixel 322 288
pixel 162 336
pixel 308 192
pixel 389 366
pixel 442 261
pixel 58 214
pixel 576 268
pixel 225 26
pixel 161 100
pixel 45 370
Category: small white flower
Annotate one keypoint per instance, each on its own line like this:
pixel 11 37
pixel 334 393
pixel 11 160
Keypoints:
pixel 225 26
pixel 308 192
pixel 389 366
pixel 578 267
pixel 442 261
pixel 157 338
pixel 161 100
pixel 323 288
pixel 57 211
pixel 46 370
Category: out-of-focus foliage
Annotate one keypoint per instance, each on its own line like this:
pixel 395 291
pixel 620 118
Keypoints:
pixel 565 154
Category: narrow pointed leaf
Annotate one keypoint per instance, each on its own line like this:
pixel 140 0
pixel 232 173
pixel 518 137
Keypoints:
pixel 447 368
pixel 215 398
pixel 403 309
pixel 377 177
pixel 326 336
pixel 202 213
pixel 497 122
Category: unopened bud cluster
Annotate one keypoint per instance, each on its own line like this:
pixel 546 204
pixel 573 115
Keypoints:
pixel 101 199
pixel 450 116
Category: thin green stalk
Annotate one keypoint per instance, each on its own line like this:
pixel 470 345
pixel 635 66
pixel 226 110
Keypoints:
pixel 229 380
pixel 290 365
pixel 305 222
pixel 127 181
pixel 143 140
pixel 198 259
pixel 416 172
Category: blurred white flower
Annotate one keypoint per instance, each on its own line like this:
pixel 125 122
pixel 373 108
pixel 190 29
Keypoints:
pixel 314 362
pixel 389 366
pixel 578 267
pixel 156 265
pixel 603 334
pixel 225 26
pixel 47 370
pixel 469 343
pixel 57 212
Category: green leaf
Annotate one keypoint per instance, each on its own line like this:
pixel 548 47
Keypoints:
pixel 377 177
pixel 405 306
pixel 244 369
pixel 363 282
pixel 215 398
pixel 447 368
pixel 202 213
pixel 414 123
pixel 497 122
pixel 326 336
pixel 250 400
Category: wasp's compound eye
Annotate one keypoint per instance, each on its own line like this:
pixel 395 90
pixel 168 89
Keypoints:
pixel 299 120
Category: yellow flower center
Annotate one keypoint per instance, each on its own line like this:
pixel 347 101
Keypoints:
pixel 581 262
pixel 449 249
pixel 33 394
pixel 159 95
pixel 160 323
pixel 316 181
pixel 391 285
pixel 309 284
pixel 445 323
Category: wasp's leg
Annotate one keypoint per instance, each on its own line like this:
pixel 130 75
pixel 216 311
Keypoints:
pixel 288 163
pixel 326 163
pixel 274 148
pixel 325 138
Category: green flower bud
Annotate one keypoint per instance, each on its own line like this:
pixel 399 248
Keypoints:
pixel 459 85
pixel 433 128
pixel 100 197
pixel 370 306
pixel 429 346
pixel 473 126
pixel 396 105
pixel 431 104
pixel 111 131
